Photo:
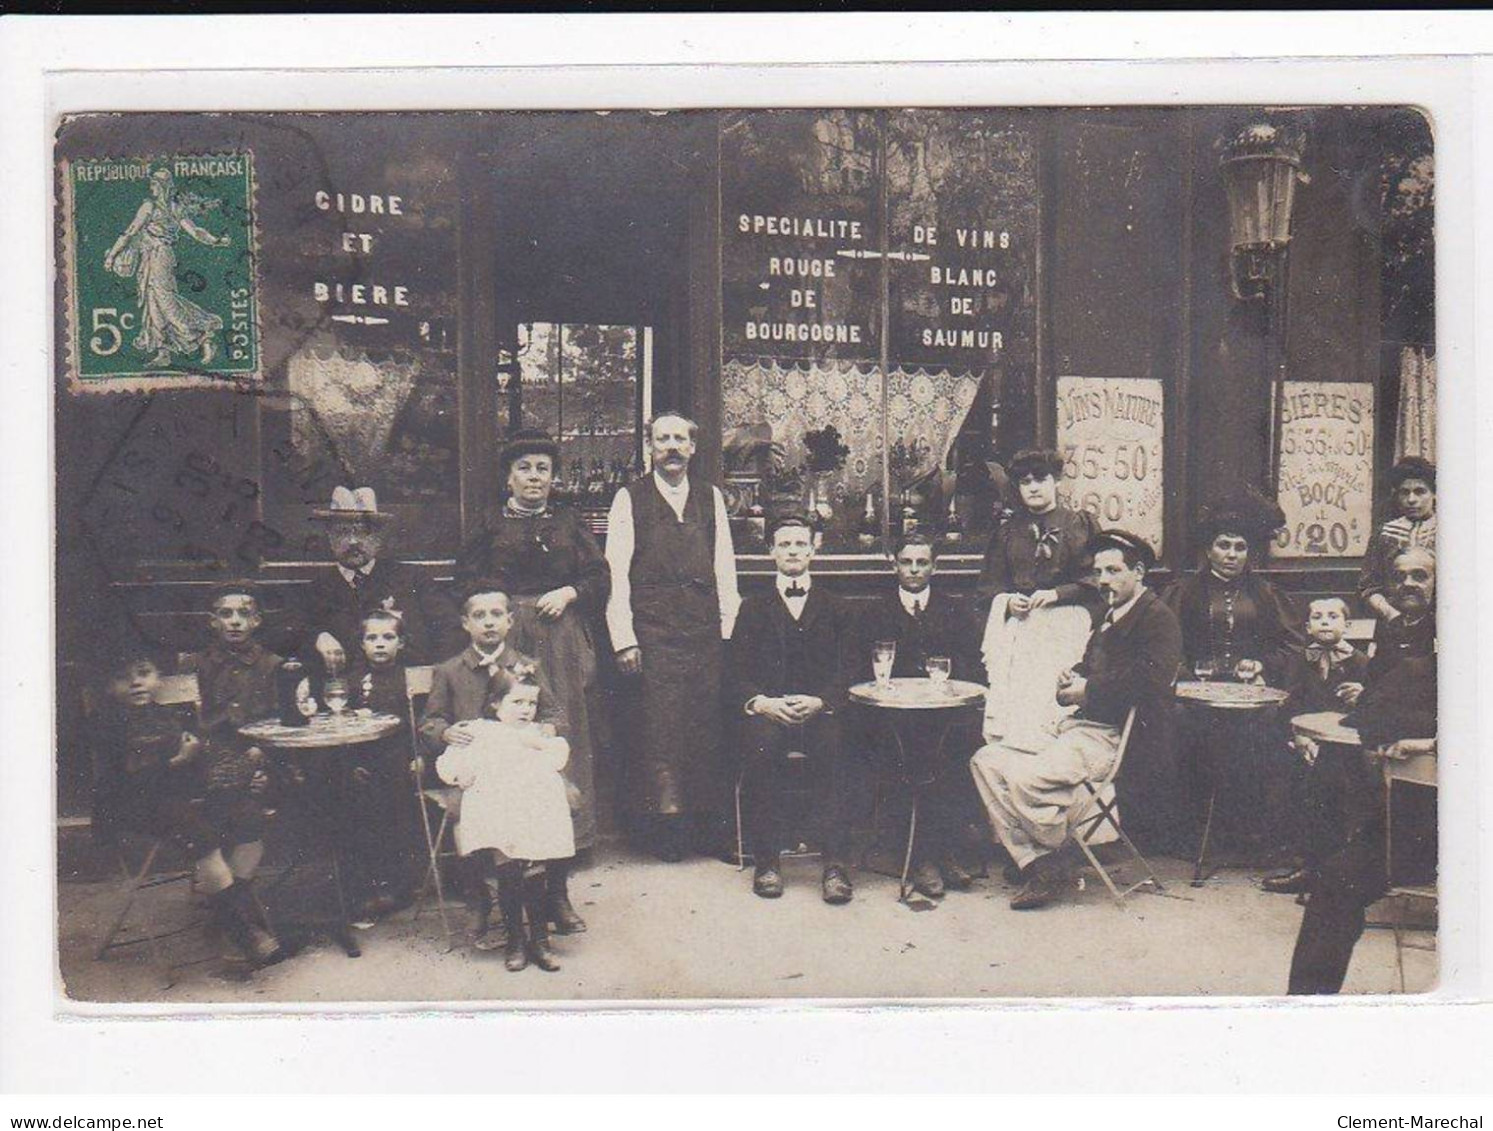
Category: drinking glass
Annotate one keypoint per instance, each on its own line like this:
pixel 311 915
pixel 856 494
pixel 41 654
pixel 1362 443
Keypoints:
pixel 335 693
pixel 883 656
pixel 1205 668
pixel 938 671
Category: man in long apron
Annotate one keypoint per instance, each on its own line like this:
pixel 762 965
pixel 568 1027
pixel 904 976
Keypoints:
pixel 673 603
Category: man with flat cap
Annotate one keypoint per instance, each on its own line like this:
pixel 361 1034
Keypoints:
pixel 1130 661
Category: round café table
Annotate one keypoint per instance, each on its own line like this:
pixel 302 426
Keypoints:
pixel 1224 699
pixel 907 706
pixel 320 755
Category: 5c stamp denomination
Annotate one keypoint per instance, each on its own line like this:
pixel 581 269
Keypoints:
pixel 161 280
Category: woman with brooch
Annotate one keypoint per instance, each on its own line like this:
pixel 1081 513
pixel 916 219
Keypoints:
pixel 557 578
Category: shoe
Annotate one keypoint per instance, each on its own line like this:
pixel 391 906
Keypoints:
pixel 927 879
pixel 767 882
pixel 836 886
pixel 515 954
pixel 563 916
pixel 955 875
pixel 1293 882
pixel 1037 891
pixel 492 937
pixel 544 958
pixel 235 919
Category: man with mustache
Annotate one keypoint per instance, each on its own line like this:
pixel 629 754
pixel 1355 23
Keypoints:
pixel 1395 717
pixel 1131 661
pixel 672 606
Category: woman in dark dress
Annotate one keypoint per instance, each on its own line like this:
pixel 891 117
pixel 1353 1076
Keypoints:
pixel 1040 554
pixel 1237 626
pixel 556 578
pixel 1230 614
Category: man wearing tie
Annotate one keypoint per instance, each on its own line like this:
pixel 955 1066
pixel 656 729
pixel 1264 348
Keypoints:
pixel 788 681
pixel 333 606
pixel 1131 661
pixel 925 621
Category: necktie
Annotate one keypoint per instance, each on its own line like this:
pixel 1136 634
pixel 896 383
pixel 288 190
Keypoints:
pixel 917 610
pixel 795 590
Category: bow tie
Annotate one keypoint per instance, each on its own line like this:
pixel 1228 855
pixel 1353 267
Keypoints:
pixel 1326 658
pixel 795 590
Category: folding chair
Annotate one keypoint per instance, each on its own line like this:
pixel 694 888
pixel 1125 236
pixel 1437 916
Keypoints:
pixel 794 757
pixel 417 682
pixel 142 877
pixel 1097 808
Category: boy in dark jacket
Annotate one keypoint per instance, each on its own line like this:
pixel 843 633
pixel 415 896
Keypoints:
pixel 1325 675
pixel 150 778
pixel 380 832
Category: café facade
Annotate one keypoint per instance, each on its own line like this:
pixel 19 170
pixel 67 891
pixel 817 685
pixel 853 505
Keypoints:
pixel 866 310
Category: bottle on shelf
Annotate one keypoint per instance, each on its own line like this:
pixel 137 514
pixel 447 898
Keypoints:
pixel 869 530
pixel 954 527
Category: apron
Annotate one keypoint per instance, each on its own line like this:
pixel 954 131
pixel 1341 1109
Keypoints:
pixel 677 618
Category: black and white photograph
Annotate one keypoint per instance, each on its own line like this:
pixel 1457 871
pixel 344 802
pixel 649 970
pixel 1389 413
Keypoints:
pixel 864 552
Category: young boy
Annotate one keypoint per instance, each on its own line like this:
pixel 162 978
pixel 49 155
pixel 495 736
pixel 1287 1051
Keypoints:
pixel 459 693
pixel 380 830
pixel 148 760
pixel 236 685
pixel 1326 675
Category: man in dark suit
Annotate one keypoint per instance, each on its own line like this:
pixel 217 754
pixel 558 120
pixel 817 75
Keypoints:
pixel 331 609
pixel 788 681
pixel 1131 661
pixel 925 621
pixel 1395 717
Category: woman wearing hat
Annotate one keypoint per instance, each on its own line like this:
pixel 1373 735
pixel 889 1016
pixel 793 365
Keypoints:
pixel 1238 625
pixel 1231 615
pixel 556 578
pixel 1412 482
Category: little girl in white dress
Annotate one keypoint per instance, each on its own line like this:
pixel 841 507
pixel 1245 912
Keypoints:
pixel 515 812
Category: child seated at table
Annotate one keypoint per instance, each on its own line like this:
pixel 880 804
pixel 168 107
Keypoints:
pixel 150 778
pixel 1325 675
pixel 380 832
pixel 515 810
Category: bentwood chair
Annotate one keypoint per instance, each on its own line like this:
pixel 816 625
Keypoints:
pixel 1095 809
pixel 440 837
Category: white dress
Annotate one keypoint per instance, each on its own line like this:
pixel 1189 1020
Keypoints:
pixel 513 795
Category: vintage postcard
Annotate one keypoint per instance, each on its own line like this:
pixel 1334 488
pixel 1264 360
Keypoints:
pixel 874 552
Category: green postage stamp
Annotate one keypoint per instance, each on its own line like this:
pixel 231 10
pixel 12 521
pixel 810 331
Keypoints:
pixel 161 281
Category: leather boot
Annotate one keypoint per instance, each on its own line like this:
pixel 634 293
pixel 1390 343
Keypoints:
pixel 266 945
pixel 511 903
pixel 258 946
pixel 535 902
pixel 565 919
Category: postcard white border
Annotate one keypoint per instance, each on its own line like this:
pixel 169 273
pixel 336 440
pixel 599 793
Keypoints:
pixel 1160 1044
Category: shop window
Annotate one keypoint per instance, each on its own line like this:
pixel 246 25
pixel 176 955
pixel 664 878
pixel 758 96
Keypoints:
pixel 585 384
pixel 879 301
